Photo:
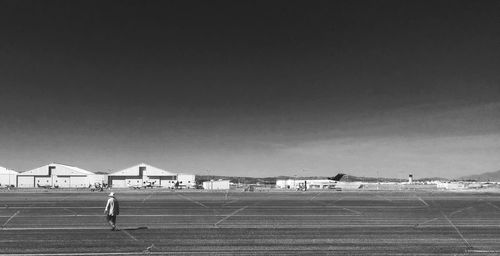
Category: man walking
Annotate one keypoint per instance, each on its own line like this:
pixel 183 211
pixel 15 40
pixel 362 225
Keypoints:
pixel 112 210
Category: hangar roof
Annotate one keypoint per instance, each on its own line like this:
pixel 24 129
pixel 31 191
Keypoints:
pixel 4 170
pixel 149 170
pixel 57 169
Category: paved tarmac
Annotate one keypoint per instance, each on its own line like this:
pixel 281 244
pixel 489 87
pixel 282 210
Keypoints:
pixel 57 222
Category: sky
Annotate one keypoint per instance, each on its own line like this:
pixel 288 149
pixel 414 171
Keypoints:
pixel 252 88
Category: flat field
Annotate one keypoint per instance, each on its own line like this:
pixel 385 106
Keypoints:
pixel 58 222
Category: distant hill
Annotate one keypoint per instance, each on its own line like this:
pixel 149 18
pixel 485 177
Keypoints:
pixel 487 176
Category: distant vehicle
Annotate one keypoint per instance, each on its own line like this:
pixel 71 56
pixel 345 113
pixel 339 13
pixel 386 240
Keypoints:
pixel 8 186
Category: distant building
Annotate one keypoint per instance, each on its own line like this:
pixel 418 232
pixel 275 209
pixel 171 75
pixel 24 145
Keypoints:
pixel 186 180
pixel 143 175
pixel 7 177
pixel 216 184
pixel 295 184
pixel 289 183
pixel 140 175
pixel 55 175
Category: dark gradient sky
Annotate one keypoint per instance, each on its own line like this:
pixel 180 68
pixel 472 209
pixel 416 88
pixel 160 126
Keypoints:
pixel 255 88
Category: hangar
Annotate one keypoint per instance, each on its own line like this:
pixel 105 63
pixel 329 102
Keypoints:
pixel 186 180
pixel 7 177
pixel 55 175
pixel 142 175
pixel 216 185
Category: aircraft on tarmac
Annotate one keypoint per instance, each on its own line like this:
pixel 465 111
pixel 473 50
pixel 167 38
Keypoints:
pixel 336 184
pixel 146 184
pixel 337 177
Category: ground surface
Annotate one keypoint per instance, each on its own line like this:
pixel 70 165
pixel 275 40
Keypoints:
pixel 251 223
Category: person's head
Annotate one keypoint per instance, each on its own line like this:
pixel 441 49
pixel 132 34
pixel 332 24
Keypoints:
pixel 112 194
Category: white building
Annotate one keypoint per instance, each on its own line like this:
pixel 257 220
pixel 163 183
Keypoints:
pixel 216 185
pixel 140 175
pixel 99 179
pixel 54 175
pixel 186 180
pixel 7 177
pixel 295 184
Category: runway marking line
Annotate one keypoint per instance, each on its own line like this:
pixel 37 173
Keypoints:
pixel 196 215
pixel 232 201
pixel 493 205
pixel 460 210
pixel 422 200
pixel 382 197
pixel 232 214
pixel 128 234
pixel 71 211
pixel 458 231
pixel 312 198
pixel 353 211
pixel 148 197
pixel 451 214
pixel 207 225
pixel 11 217
pixel 427 221
pixel 64 198
pixel 90 253
pixel 192 200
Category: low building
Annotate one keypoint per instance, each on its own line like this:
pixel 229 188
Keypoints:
pixel 186 180
pixel 8 177
pixel 98 179
pixel 216 184
pixel 142 175
pixel 54 175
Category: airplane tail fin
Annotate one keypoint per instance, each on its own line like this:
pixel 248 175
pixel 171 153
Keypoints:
pixel 337 177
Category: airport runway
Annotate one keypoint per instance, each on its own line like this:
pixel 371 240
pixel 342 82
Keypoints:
pixel 251 223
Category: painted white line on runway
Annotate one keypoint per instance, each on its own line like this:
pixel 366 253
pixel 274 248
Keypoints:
pixel 89 253
pixel 387 199
pixel 254 206
pixel 353 211
pixel 338 206
pixel 11 217
pixel 232 214
pixel 194 215
pixel 422 200
pixel 451 214
pixel 341 198
pixel 232 201
pixel 64 198
pixel 493 205
pixel 315 196
pixel 425 222
pixel 460 210
pixel 148 197
pixel 128 234
pixel 192 200
pixel 71 211
pixel 184 225
pixel 482 251
pixel 54 207
pixel 458 231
